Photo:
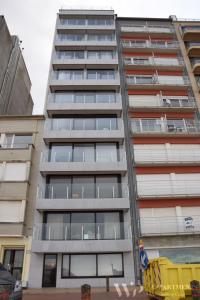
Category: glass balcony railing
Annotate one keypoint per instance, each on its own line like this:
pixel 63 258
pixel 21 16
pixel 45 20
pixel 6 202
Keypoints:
pixel 149 44
pixel 84 97
pixel 170 225
pixel 80 124
pixel 152 80
pixel 81 231
pixel 73 75
pixel 88 156
pixel 168 188
pixel 169 126
pixel 82 191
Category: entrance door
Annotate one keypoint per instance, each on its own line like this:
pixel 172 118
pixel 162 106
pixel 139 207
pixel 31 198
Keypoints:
pixel 13 262
pixel 50 269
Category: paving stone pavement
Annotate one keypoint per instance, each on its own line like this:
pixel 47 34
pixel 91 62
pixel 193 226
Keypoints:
pixel 52 294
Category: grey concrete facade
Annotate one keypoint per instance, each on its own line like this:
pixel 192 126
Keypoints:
pixel 15 84
pixel 123 245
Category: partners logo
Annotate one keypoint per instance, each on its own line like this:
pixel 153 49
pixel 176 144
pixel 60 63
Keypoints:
pixel 129 291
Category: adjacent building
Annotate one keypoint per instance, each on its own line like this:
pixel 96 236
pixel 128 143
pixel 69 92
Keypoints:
pixel 121 153
pixel 15 84
pixel 20 149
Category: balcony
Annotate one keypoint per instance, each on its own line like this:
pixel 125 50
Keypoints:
pixel 63 129
pixel 155 63
pixel 157 82
pixel 156 226
pixel 82 81
pixel 63 25
pixel 78 237
pixel 88 103
pixel 190 156
pixel 195 65
pixel 99 163
pixel 193 49
pixel 147 45
pixel 149 30
pixel 191 33
pixel 161 103
pixel 101 44
pixel 63 62
pixel 176 127
pixel 168 188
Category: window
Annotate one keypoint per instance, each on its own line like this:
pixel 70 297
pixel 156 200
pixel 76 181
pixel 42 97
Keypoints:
pixel 81 187
pixel 13 262
pixel 181 256
pixel 106 152
pixel 100 22
pixel 63 97
pixel 100 54
pixel 71 37
pixel 65 21
pixel 70 74
pixel 17 141
pixel 70 54
pixel 84 153
pixel 92 265
pixel 61 153
pixel 110 265
pixel 83 265
pixel 100 74
pixel 100 37
pixel 83 226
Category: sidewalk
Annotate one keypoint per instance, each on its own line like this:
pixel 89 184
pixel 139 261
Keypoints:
pixel 74 294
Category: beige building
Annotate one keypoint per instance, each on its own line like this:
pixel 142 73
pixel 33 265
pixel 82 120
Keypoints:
pixel 20 144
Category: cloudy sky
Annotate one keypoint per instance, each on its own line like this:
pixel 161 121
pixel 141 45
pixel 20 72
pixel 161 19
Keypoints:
pixel 34 20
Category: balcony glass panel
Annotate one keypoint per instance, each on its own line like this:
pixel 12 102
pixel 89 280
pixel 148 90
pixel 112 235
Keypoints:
pixel 70 74
pixel 74 22
pixel 106 152
pixel 63 97
pixel 71 37
pixel 100 22
pixel 111 225
pixel 83 187
pixel 70 54
pixel 84 153
pixel 60 153
pixel 100 37
pixel 58 188
pixel 105 190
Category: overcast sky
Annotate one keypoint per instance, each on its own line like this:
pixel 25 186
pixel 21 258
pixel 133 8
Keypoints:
pixel 34 21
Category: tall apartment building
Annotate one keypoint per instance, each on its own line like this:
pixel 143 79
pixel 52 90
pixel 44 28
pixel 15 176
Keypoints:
pixel 20 149
pixel 15 84
pixel 121 155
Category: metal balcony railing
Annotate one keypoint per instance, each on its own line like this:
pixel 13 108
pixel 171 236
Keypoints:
pixel 166 155
pixel 160 101
pixel 15 146
pixel 191 44
pixel 86 124
pixel 168 188
pixel 83 157
pixel 81 231
pixel 152 61
pixel 170 225
pixel 152 80
pixel 159 125
pixel 149 28
pixel 82 191
pixel 195 61
pixel 150 44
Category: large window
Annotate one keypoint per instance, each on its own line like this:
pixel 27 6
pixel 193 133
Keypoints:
pixel 85 97
pixel 71 37
pixel 81 187
pixel 85 123
pixel 100 54
pixel 13 262
pixel 17 141
pixel 70 54
pixel 182 256
pixel 83 226
pixel 90 152
pixel 100 37
pixel 70 74
pixel 92 265
pixel 100 74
